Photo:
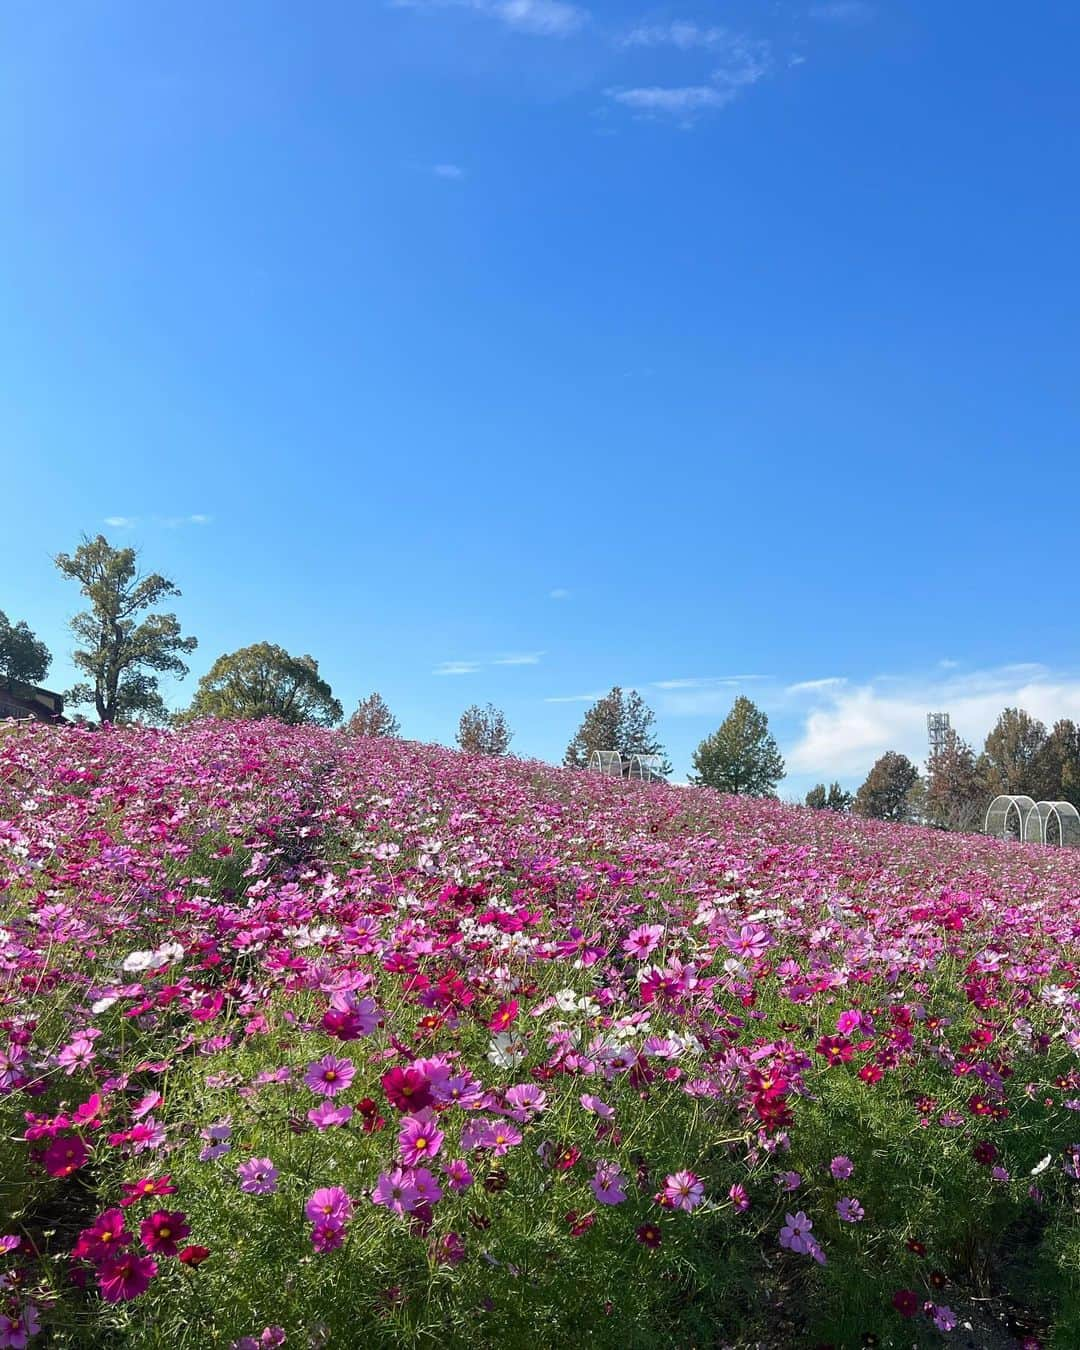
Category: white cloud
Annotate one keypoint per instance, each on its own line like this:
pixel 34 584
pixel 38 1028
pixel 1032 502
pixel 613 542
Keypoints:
pixel 452 172
pixel 541 18
pixel 854 724
pixel 165 522
pixel 679 34
pixel 518 659
pixel 744 61
pixel 578 698
pixel 121 522
pixel 559 593
pixel 456 668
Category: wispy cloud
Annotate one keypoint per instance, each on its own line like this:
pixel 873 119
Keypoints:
pixel 854 724
pixel 540 18
pixel 744 61
pixel 471 667
pixel 705 681
pixel 841 11
pixel 679 34
pixel 577 698
pixel 456 668
pixel 559 593
pixel 452 172
pixel 816 686
pixel 518 659
pixel 161 522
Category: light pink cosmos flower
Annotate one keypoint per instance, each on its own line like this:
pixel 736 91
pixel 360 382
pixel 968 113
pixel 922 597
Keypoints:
pixel 427 1188
pixel 642 941
pixel 841 1167
pixel 739 1198
pixel 849 1210
pixel 326 1114
pixel 685 1190
pixel 597 1107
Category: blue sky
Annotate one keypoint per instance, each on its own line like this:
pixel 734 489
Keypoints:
pixel 509 349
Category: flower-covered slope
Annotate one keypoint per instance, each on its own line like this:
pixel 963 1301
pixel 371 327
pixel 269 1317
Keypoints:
pixel 312 1039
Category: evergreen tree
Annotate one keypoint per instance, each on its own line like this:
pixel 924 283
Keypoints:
pixel 264 680
pixel 484 731
pixel 120 649
pixel 24 658
pixel 740 756
pixel 955 791
pixel 816 797
pixel 838 800
pixel 374 718
pixel 891 789
pixel 621 721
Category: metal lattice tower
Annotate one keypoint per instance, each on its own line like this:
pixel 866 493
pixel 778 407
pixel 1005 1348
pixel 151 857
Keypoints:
pixel 937 728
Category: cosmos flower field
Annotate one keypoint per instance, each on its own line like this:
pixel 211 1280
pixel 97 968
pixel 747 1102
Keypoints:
pixel 311 1040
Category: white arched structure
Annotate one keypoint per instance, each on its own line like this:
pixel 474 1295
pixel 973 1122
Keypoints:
pixel 646 768
pixel 607 762
pixel 1007 817
pixel 1056 823
pixel 1060 824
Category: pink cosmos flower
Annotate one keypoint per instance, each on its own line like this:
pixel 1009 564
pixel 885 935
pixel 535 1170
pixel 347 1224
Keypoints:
pixel 104 1238
pixel 259 1176
pixel 841 1167
pixel 395 1190
pixel 419 1140
pixel 327 1235
pixel 458 1176
pixel 944 1318
pixel 125 1276
pixel 329 1204
pixel 642 941
pixel 326 1114
pixel 64 1156
pixel 16 1332
pixel 608 1184
pixel 597 1107
pixel 795 1234
pixel 526 1100
pixel 427 1188
pixel 739 1198
pixel 77 1054
pixel 684 1190
pixel 329 1076
pixel 500 1137
pixel 849 1211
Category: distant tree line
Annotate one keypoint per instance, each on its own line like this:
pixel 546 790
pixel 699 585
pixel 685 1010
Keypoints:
pixel 1020 757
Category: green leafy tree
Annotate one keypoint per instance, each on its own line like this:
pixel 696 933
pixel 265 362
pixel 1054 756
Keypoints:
pixel 122 653
pixel 1058 773
pixel 955 790
pixel 835 799
pixel 1014 756
pixel 24 658
pixel 621 721
pixel 484 731
pixel 373 718
pixel 891 790
pixel 740 756
pixel 264 680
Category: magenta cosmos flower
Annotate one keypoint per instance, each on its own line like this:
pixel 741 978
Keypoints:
pixel 163 1231
pixel 328 1076
pixel 419 1140
pixel 258 1177
pixel 125 1276
pixel 841 1167
pixel 329 1203
pixel 684 1190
